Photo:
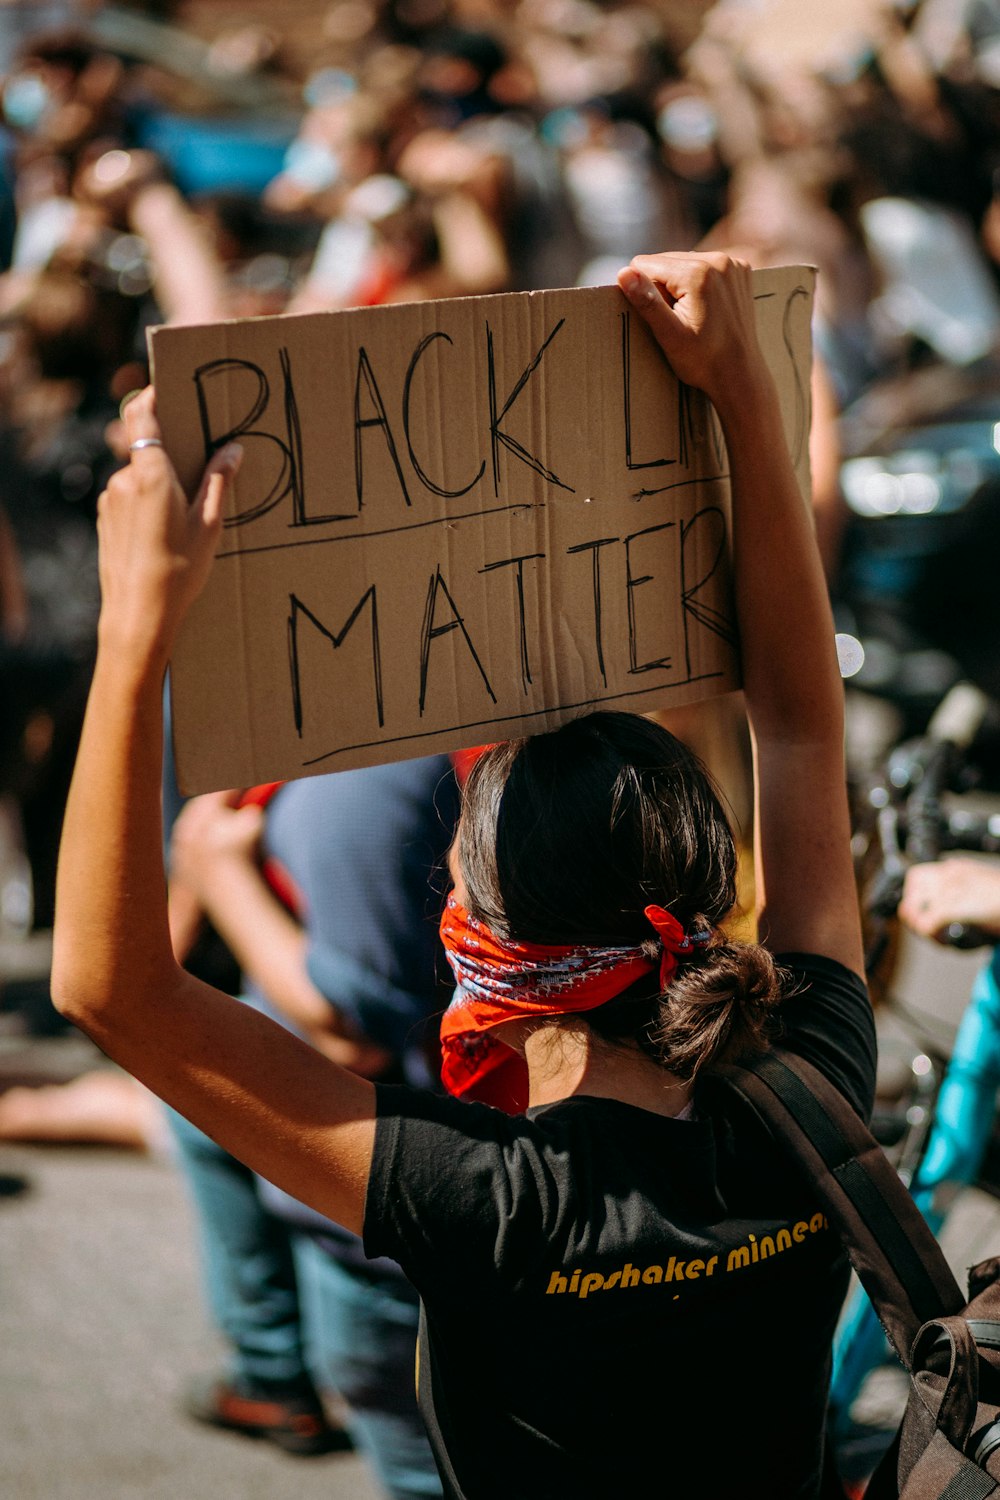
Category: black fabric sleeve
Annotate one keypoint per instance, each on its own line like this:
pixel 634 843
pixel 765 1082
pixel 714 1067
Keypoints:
pixel 827 1019
pixel 446 1194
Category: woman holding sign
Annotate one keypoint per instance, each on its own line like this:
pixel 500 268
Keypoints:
pixel 625 1291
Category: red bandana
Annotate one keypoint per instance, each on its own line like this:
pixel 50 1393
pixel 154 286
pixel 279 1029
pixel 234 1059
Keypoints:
pixel 500 981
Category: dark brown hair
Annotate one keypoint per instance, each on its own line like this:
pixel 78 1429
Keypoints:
pixel 567 837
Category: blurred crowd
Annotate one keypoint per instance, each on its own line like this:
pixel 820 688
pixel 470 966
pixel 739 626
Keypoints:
pixel 156 169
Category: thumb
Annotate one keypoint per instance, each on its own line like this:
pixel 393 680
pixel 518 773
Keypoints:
pixel 649 302
pixel 219 473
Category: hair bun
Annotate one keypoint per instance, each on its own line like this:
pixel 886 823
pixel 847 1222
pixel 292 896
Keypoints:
pixel 718 1009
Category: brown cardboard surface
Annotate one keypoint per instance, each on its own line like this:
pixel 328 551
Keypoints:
pixel 456 522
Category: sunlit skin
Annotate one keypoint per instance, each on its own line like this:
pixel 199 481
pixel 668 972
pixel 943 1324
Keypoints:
pixel 955 890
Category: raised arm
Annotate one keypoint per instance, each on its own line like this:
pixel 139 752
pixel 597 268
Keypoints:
pixel 214 851
pixel 130 187
pixel 274 1102
pixel 700 309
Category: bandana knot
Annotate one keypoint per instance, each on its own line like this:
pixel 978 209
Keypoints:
pixel 676 943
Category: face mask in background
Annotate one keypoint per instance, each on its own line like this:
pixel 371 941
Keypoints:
pixel 27 99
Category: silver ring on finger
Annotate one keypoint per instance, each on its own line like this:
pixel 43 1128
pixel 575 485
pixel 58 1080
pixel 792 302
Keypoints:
pixel 145 443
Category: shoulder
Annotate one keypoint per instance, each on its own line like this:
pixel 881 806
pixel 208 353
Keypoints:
pixel 374 789
pixel 379 821
pixel 456 1133
pixel 456 1184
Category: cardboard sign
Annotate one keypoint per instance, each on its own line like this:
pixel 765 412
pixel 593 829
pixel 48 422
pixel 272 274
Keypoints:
pixel 456 522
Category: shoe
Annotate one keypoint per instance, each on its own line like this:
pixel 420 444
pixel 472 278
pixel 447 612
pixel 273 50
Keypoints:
pixel 290 1416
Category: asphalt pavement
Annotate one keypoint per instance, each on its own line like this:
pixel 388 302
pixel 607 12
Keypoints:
pixel 101 1325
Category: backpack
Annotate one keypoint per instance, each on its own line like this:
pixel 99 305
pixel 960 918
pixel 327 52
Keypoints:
pixel 948 1443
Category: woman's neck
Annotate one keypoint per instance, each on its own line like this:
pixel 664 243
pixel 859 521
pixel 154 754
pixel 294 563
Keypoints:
pixel 563 1062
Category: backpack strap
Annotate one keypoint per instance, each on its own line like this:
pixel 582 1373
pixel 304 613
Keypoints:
pixel 897 1258
pixel 970 1483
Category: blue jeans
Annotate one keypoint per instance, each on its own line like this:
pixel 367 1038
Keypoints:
pixel 288 1308
pixel 361 1340
pixel 248 1268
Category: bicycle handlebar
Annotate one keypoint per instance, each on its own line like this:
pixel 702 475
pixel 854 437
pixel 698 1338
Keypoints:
pixel 913 826
pixel 974 833
pixel 923 808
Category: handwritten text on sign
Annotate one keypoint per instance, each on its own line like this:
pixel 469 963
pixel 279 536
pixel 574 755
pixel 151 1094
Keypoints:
pixel 456 522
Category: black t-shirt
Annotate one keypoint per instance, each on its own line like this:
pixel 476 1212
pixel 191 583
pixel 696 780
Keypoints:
pixel 616 1303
